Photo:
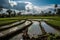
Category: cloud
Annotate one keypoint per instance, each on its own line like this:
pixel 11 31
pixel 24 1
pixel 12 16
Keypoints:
pixel 29 4
pixel 12 3
pixel 45 8
pixel 23 2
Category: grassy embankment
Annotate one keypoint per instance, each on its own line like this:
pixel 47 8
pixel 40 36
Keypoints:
pixel 55 22
pixel 4 21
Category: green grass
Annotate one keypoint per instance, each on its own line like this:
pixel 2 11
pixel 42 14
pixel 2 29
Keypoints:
pixel 4 21
pixel 55 23
pixel 12 19
pixel 7 21
pixel 32 17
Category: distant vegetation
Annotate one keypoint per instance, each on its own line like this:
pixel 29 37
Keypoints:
pixel 49 13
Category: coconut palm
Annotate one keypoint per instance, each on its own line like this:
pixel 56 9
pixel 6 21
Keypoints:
pixel 55 8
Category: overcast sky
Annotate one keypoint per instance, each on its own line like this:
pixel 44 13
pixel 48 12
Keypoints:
pixel 42 2
pixel 38 4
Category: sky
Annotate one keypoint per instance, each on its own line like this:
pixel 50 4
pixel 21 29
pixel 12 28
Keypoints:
pixel 42 2
pixel 29 4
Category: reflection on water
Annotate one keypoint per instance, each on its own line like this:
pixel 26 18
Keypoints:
pixel 34 29
pixel 6 26
pixel 19 36
pixel 48 28
pixel 13 29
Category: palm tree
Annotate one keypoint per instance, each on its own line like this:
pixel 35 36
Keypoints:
pixel 55 8
pixel 9 12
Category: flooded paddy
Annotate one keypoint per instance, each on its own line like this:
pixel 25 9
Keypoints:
pixel 33 30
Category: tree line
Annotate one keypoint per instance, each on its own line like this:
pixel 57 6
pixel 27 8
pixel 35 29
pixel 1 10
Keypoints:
pixel 49 13
pixel 10 13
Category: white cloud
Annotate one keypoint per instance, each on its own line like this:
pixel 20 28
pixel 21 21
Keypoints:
pixel 26 2
pixel 47 8
pixel 12 3
pixel 43 8
pixel 29 4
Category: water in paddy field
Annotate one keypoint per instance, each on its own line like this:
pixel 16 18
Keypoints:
pixel 34 29
pixel 13 29
pixel 49 29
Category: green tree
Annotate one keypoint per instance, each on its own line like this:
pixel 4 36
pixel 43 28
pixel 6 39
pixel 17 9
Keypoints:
pixel 49 13
pixel 42 12
pixel 58 11
pixel 14 13
pixel 9 12
pixel 19 13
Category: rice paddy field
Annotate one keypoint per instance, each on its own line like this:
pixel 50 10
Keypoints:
pixel 55 19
